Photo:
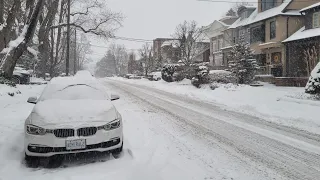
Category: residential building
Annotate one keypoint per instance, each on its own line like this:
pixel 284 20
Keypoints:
pixel 170 51
pixel 219 38
pixel 158 50
pixel 239 31
pixel 275 21
pixel 303 47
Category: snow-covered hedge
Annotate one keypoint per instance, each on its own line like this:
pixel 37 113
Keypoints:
pixel 7 82
pixel 313 85
pixel 222 76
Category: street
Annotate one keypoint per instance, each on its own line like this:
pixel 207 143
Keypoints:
pixel 216 137
pixel 170 136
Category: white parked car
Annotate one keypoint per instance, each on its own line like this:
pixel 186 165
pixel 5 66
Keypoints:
pixel 72 116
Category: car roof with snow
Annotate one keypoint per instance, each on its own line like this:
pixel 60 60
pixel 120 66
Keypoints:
pixel 80 86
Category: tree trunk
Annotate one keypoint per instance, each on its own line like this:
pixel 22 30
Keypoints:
pixel 43 37
pixel 10 60
pixel 1 11
pixel 5 33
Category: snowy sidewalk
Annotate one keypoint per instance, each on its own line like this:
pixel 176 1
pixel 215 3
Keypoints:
pixel 283 105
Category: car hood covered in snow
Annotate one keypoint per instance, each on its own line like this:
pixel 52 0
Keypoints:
pixel 55 112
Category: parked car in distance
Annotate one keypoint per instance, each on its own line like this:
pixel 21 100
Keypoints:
pixel 134 76
pixel 154 76
pixel 72 116
pixel 21 76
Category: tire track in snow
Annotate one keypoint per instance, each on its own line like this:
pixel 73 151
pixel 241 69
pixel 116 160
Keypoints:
pixel 286 159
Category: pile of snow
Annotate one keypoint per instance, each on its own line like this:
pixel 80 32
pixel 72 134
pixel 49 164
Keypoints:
pixel 219 72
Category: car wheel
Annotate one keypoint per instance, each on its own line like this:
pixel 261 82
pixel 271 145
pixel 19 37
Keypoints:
pixel 15 79
pixel 55 161
pixel 32 161
pixel 117 152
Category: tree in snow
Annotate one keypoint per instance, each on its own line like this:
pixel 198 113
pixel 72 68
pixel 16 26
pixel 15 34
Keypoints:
pixel 18 46
pixel 190 41
pixel 146 54
pixel 241 63
pixel 15 15
pixel 106 66
pixel 231 12
pixel 167 72
pixel 313 85
pixel 310 58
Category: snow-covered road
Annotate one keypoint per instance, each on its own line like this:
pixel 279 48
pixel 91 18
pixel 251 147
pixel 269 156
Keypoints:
pixel 170 137
pixel 226 144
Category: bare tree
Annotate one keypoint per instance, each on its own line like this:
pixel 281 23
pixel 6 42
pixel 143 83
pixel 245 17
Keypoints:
pixel 83 49
pixel 146 54
pixel 121 57
pixel 190 41
pixel 310 58
pixel 94 17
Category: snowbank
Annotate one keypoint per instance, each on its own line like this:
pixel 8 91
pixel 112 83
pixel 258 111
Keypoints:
pixel 268 102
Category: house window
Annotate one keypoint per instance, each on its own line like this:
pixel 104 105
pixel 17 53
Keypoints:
pixel 272 29
pixel 268 4
pixel 257 34
pixel 315 20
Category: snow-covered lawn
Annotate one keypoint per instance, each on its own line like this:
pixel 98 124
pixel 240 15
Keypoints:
pixel 289 106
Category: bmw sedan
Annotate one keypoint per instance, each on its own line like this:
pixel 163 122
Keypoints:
pixel 72 116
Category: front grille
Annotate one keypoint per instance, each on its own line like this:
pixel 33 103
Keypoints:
pixel 63 133
pixel 88 131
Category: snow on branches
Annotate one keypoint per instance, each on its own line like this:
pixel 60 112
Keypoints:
pixel 241 63
pixel 313 85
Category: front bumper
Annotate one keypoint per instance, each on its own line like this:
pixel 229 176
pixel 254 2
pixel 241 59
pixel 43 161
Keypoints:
pixel 49 145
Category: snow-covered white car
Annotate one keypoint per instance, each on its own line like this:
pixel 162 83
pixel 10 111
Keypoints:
pixel 72 116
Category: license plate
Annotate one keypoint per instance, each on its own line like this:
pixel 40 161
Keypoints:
pixel 75 144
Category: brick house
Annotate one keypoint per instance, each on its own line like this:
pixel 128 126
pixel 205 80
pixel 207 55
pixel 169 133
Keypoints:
pixel 159 51
pixel 303 47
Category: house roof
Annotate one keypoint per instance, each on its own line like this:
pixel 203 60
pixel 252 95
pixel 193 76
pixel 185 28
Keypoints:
pixel 172 43
pixel 303 34
pixel 273 12
pixel 310 7
pixel 256 17
pixel 214 29
pixel 242 22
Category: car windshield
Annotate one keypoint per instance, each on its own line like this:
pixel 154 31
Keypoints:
pixel 76 92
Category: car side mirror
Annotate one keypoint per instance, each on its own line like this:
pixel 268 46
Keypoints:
pixel 32 100
pixel 114 97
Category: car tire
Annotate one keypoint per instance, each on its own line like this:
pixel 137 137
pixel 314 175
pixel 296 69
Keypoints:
pixel 117 152
pixel 32 161
pixel 55 161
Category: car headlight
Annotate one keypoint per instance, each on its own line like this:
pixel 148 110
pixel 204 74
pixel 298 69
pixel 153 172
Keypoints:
pixel 35 130
pixel 111 125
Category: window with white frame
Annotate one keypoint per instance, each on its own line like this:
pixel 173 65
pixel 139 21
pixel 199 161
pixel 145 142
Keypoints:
pixel 316 20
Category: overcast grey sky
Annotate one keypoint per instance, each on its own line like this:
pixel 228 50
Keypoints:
pixel 150 19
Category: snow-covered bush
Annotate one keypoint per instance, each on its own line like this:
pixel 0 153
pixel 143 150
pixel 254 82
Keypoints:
pixel 201 76
pixel 222 76
pixel 7 82
pixel 313 85
pixel 242 64
pixel 167 72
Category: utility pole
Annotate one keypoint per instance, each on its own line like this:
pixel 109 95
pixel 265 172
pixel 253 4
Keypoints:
pixel 68 40
pixel 75 52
